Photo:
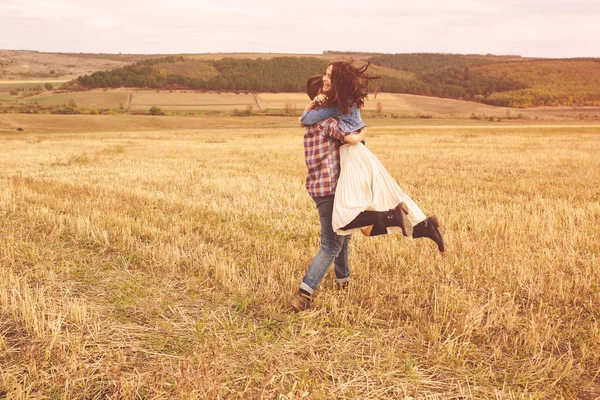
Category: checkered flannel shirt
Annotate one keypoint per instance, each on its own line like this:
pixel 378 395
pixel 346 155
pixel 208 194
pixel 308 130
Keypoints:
pixel 322 143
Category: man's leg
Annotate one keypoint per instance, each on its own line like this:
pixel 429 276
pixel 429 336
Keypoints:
pixel 331 245
pixel 341 268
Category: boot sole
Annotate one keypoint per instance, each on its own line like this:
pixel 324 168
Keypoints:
pixel 405 224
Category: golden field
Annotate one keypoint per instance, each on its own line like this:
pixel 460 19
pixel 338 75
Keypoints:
pixel 189 100
pixel 154 264
pixel 91 99
pixel 393 105
pixel 192 100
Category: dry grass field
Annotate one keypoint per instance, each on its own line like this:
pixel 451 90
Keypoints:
pixel 6 86
pixel 192 100
pixel 393 105
pixel 189 100
pixel 390 102
pixel 93 99
pixel 41 123
pixel 159 264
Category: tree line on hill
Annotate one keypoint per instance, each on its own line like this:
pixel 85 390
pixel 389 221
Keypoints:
pixel 457 83
pixel 504 81
pixel 441 75
pixel 279 74
pixel 444 75
pixel 289 74
pixel 422 63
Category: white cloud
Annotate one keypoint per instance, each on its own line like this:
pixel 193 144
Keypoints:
pixel 550 28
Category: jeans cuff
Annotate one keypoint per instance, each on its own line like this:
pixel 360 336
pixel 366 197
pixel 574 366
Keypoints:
pixel 343 280
pixel 306 288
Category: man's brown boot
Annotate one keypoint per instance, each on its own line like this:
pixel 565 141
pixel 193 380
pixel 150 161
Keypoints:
pixel 301 301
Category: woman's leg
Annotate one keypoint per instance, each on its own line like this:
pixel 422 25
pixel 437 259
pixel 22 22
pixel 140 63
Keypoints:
pixel 382 219
pixel 363 219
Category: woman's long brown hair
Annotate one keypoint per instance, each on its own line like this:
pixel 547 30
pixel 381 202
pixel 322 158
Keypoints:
pixel 349 85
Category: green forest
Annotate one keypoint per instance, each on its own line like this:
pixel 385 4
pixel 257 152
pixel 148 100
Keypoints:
pixel 498 80
pixel 280 74
pixel 509 81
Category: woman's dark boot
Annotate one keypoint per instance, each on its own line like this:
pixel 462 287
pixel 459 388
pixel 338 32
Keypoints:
pixel 395 217
pixel 378 230
pixel 430 229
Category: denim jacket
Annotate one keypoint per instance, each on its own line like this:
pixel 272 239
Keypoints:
pixel 347 122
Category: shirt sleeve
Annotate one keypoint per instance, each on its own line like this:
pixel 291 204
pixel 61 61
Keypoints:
pixel 320 114
pixel 333 129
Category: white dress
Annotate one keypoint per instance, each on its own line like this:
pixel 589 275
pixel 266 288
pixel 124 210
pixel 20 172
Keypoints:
pixel 365 185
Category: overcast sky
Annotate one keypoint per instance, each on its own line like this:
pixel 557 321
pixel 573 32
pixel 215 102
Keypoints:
pixel 535 28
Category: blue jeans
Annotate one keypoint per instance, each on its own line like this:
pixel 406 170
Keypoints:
pixel 334 249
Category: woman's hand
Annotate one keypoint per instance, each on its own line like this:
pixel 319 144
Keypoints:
pixel 319 99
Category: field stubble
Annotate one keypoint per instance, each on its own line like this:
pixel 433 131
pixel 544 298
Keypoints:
pixel 160 264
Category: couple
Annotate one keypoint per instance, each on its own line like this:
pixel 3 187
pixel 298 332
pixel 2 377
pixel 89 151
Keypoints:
pixel 351 188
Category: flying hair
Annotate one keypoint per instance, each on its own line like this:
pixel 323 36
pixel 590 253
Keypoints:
pixel 349 85
pixel 314 85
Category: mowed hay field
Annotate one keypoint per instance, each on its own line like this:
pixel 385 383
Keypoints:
pixel 394 105
pixel 160 265
pixel 89 99
pixel 189 100
pixel 7 85
pixel 390 102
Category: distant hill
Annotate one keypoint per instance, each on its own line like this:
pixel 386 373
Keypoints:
pixel 23 64
pixel 566 82
pixel 503 81
pixel 496 80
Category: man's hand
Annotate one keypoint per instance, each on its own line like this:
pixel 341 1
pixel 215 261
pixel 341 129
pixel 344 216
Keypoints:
pixel 356 137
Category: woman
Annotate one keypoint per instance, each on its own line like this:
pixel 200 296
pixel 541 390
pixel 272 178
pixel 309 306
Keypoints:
pixel 366 195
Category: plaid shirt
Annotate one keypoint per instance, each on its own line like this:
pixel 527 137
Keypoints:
pixel 322 143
